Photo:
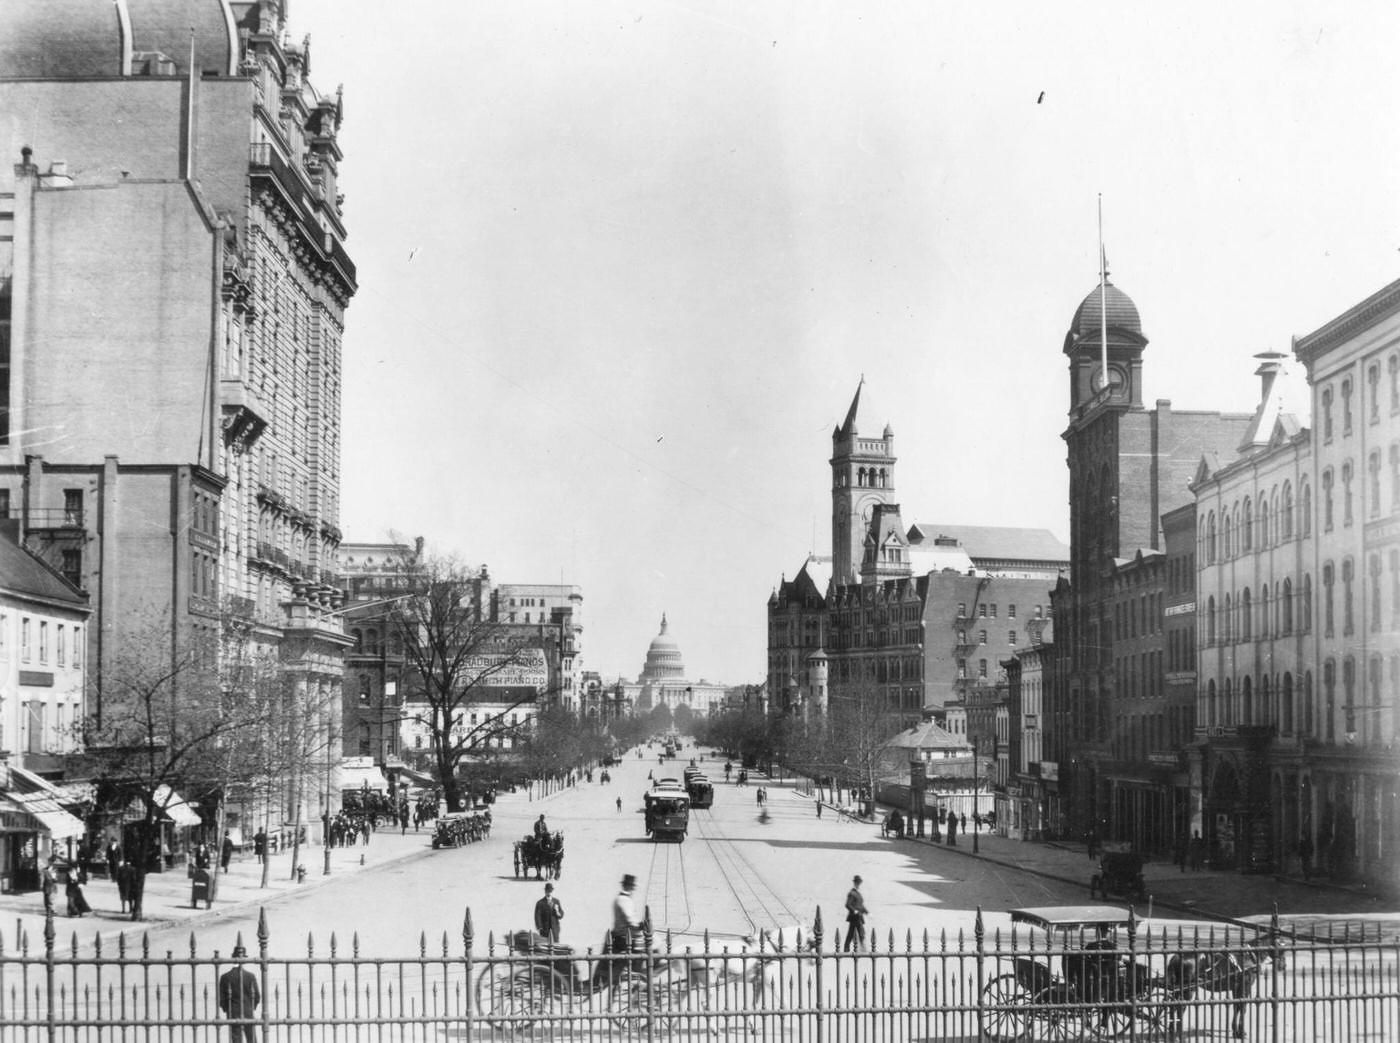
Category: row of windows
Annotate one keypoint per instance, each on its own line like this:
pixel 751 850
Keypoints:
pixel 982 637
pixel 1141 614
pixel 989 609
pixel 66 647
pixel 1373 397
pixel 1140 675
pixel 1137 735
pixel 1272 703
pixel 1239 531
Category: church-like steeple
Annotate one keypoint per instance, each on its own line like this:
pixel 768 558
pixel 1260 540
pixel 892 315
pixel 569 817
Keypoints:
pixel 862 476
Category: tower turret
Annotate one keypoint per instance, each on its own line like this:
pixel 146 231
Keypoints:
pixel 862 476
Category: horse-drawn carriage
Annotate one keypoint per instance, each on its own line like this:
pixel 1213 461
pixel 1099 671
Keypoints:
pixel 459 827
pixel 544 854
pixel 1120 873
pixel 1101 974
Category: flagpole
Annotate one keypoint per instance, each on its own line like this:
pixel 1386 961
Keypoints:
pixel 1103 301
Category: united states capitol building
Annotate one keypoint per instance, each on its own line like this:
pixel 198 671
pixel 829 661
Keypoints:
pixel 663 681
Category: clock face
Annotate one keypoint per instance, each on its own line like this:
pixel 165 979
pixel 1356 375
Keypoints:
pixel 1116 377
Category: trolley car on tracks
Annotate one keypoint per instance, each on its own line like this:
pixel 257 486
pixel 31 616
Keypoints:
pixel 700 789
pixel 667 812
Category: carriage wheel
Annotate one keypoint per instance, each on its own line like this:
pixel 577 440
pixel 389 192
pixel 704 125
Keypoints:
pixel 628 1004
pixel 1009 1022
pixel 517 862
pixel 518 993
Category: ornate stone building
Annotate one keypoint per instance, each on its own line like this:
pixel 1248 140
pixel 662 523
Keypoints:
pixel 173 285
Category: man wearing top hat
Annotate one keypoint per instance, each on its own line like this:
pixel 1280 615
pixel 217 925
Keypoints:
pixel 626 925
pixel 548 913
pixel 239 997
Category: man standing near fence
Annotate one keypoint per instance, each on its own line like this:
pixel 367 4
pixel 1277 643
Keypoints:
pixel 548 913
pixel 239 997
pixel 855 917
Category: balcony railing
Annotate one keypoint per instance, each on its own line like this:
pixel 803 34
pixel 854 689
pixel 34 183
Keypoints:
pixel 57 518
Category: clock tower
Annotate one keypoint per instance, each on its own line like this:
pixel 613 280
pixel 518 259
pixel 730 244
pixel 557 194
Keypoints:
pixel 862 476
pixel 1084 344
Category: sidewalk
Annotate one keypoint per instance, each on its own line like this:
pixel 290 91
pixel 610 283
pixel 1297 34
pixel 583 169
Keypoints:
pixel 167 895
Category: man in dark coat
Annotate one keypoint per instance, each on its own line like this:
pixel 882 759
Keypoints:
pixel 123 875
pixel 855 917
pixel 136 889
pixel 226 852
pixel 114 859
pixel 239 997
pixel 548 913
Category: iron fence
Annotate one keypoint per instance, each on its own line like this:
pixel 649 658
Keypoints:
pixel 1152 982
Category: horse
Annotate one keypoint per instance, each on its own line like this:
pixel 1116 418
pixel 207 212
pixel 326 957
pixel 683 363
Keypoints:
pixel 1232 970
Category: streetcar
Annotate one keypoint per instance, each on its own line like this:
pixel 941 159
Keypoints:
pixel 702 793
pixel 667 813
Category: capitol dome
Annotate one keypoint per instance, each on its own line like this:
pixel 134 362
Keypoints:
pixel 664 661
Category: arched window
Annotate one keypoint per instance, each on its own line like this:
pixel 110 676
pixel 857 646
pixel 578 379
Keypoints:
pixel 1210 620
pixel 1392 366
pixel 1227 622
pixel 1326 399
pixel 1228 710
pixel 1327 500
pixel 1246 612
pixel 1346 407
pixel 1373 392
pixel 1246 701
pixel 1305 516
pixel 1210 539
pixel 1211 709
pixel 1247 526
pixel 1286 512
pixel 1307 603
pixel 1374 609
pixel 1309 716
pixel 1328 582
pixel 1349 693
pixel 1286 705
pixel 1346 492
pixel 1286 606
pixel 1348 585
pixel 1267 625
pixel 1263 523
pixel 1329 700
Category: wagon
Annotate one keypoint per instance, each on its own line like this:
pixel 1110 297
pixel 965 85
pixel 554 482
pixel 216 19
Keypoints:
pixel 1119 874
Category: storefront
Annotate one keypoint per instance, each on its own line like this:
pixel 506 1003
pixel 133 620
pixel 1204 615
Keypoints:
pixel 33 826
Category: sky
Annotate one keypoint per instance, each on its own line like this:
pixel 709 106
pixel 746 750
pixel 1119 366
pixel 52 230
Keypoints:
pixel 623 265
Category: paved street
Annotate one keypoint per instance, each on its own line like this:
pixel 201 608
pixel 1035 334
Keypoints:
pixel 743 868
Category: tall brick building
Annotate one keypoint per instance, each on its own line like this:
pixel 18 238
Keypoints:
pixel 1128 465
pixel 173 285
pixel 913 620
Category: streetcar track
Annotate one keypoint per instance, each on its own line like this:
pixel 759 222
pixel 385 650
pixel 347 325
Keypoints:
pixel 740 875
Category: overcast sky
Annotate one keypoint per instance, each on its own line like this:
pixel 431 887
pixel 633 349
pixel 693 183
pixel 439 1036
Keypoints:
pixel 622 265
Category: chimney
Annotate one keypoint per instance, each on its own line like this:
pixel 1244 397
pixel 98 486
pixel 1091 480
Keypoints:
pixel 1270 366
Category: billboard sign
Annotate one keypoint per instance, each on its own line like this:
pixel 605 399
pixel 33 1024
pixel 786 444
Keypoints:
pixel 523 668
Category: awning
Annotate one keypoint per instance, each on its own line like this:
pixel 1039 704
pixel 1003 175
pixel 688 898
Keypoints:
pixel 362 778
pixel 33 806
pixel 173 806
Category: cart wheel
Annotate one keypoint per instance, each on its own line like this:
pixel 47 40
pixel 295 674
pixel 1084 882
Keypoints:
pixel 628 1004
pixel 1008 1020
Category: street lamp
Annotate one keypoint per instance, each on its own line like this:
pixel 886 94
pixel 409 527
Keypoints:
pixel 976 807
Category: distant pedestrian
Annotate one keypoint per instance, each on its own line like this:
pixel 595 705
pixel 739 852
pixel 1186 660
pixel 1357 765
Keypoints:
pixel 855 917
pixel 239 997
pixel 977 821
pixel 260 845
pixel 77 901
pixel 136 890
pixel 114 859
pixel 1198 852
pixel 952 830
pixel 819 807
pixel 48 883
pixel 1305 854
pixel 619 803
pixel 226 853
pixel 202 857
pixel 962 824
pixel 548 914
pixel 123 876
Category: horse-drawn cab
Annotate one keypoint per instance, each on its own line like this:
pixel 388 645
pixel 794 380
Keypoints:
pixel 545 855
pixel 1074 981
pixel 1120 873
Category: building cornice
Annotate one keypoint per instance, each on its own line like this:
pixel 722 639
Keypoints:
pixel 1383 302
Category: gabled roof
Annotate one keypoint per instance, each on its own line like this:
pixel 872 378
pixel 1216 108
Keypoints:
pixel 25 576
pixel 926 736
pixel 994 542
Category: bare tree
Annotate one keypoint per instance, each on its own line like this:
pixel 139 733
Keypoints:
pixel 462 661
pixel 857 731
pixel 183 719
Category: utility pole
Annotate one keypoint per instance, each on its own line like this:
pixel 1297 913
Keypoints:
pixel 976 807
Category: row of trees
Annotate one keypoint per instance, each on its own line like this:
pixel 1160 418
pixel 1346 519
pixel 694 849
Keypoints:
pixel 841 749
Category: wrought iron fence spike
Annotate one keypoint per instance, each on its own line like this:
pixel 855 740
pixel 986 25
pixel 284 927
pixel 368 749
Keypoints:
pixel 263 934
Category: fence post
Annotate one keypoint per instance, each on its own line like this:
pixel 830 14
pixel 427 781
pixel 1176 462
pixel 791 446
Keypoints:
pixel 1132 973
pixel 467 960
pixel 650 978
pixel 262 971
pixel 817 949
pixel 979 934
pixel 49 934
pixel 1276 951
